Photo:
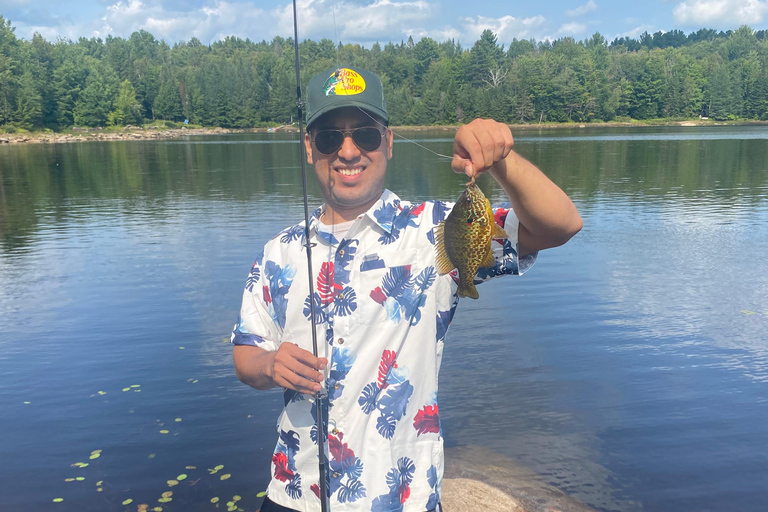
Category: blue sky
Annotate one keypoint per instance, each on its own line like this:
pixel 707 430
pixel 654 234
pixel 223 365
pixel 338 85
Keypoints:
pixel 366 21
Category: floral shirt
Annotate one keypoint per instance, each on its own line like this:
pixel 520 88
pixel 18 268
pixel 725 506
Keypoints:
pixel 382 313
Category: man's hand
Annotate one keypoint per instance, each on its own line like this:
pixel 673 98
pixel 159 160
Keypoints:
pixel 479 145
pixel 289 367
pixel 295 368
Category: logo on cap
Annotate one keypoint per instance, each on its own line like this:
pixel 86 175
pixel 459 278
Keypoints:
pixel 344 82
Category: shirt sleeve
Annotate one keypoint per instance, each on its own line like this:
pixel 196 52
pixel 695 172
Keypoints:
pixel 255 325
pixel 505 251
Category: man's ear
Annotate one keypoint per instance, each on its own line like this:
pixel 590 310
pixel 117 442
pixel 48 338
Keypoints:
pixel 389 143
pixel 308 147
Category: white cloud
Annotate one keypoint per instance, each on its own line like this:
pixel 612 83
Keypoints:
pixel 582 9
pixel 635 32
pixel 720 12
pixel 506 28
pixel 572 29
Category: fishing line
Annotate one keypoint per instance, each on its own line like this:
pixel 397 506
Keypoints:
pixel 403 137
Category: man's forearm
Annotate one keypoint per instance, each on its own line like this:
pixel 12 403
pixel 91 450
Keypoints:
pixel 547 216
pixel 253 366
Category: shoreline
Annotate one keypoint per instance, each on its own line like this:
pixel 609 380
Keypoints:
pixel 154 132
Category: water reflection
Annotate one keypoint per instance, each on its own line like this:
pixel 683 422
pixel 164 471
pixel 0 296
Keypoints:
pixel 619 368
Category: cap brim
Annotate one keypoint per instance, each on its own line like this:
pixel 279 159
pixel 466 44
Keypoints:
pixel 370 109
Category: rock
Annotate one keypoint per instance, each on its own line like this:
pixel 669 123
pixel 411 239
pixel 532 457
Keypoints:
pixel 461 494
pixel 5 141
pixel 128 127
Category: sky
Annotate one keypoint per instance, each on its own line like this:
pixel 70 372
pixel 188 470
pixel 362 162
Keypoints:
pixel 368 21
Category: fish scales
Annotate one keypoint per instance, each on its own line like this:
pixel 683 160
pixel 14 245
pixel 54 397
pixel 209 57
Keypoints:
pixel 463 239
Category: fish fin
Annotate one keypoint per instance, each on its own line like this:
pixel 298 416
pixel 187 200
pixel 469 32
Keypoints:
pixel 467 288
pixel 498 232
pixel 488 260
pixel 443 262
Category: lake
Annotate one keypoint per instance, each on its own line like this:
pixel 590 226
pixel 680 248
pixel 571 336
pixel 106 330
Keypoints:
pixel 628 367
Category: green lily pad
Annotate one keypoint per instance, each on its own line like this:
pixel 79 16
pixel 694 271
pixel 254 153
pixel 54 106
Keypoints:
pixel 163 431
pixel 102 392
pixel 128 501
pixel 177 420
pixel 261 494
pixel 80 478
pixel 58 500
pixel 214 500
pixel 226 477
pixel 181 477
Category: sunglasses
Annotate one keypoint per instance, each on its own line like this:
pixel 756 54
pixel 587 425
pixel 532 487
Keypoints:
pixel 366 138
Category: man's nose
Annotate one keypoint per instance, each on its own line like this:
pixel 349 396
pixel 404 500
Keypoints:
pixel 349 150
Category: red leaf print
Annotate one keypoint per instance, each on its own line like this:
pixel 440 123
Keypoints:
pixel 405 491
pixel 378 295
pixel 326 286
pixel 339 451
pixel 385 366
pixel 427 420
pixel 417 211
pixel 501 216
pixel 282 473
pixel 267 297
pixel 315 489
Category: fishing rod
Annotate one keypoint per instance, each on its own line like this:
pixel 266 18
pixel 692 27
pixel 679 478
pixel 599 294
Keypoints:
pixel 320 397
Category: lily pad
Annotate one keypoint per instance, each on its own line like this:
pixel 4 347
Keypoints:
pixel 69 479
pixel 226 477
pixel 135 385
pixel 172 483
pixel 165 500
pixel 58 500
pixel 191 467
pixel 181 477
pixel 94 456
pixel 177 420
pixel 236 498
pixel 100 482
pixel 261 494
pixel 126 389
pixel 163 431
pixel 102 392
pixel 214 500
pixel 167 494
pixel 151 456
pixel 80 478
pixel 128 501
pixel 27 403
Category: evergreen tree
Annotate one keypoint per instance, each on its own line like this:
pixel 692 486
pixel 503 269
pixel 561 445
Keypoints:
pixel 168 101
pixel 127 109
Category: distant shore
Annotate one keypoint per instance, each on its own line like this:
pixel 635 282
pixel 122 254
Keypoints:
pixel 154 132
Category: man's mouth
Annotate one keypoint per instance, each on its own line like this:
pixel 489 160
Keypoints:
pixel 349 171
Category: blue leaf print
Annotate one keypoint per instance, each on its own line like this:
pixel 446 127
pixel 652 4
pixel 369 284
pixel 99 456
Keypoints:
pixel 388 238
pixel 253 277
pixel 352 491
pixel 439 212
pixel 385 214
pixel 329 336
pixel 293 488
pixel 368 397
pixel 406 467
pixel 345 302
pixel 395 401
pixel 387 503
pixel 385 425
pixel 292 233
pixel 425 278
pixel 355 469
pixel 342 360
pixel 431 236
pixel 344 256
pixel 443 321
pixel 290 439
pixel 397 280
pixel 403 220
pixel 432 478
pixel 280 280
pixel 320 314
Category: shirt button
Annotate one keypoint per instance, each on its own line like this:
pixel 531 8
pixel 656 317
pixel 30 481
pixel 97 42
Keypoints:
pixel 336 386
pixel 336 475
pixel 335 431
pixel 340 341
pixel 341 252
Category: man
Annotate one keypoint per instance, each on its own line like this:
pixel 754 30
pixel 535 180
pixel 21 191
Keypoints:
pixel 381 309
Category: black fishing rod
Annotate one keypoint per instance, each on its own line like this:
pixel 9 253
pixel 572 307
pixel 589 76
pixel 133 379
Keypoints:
pixel 320 397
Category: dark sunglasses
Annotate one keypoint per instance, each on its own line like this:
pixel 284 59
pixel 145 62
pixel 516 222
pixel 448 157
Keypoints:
pixel 366 138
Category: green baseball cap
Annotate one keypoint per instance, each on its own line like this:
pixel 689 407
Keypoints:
pixel 345 87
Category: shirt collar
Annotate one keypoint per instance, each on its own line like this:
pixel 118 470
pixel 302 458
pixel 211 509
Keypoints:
pixel 382 213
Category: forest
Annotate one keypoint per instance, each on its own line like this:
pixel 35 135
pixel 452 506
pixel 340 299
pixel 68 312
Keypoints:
pixel 239 83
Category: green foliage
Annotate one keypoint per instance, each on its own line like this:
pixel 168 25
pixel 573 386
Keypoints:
pixel 240 83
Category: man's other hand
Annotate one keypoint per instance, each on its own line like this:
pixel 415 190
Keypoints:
pixel 295 368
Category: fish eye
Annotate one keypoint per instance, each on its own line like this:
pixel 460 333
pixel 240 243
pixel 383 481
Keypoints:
pixel 469 220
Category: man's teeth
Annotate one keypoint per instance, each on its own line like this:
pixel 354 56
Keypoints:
pixel 350 172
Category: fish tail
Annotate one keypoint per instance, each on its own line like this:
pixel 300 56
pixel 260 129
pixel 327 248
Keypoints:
pixel 467 288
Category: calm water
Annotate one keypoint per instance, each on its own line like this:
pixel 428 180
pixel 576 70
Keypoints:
pixel 629 367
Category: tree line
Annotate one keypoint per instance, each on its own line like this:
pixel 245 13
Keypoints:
pixel 239 83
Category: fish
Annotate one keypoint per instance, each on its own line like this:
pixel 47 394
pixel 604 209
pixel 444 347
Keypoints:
pixel 463 239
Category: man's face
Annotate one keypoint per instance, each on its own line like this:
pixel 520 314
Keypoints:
pixel 351 179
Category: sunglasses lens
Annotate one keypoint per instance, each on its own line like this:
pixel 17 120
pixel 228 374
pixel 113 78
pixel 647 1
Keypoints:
pixel 367 139
pixel 328 141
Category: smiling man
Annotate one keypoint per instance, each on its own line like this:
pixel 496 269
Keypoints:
pixel 381 309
